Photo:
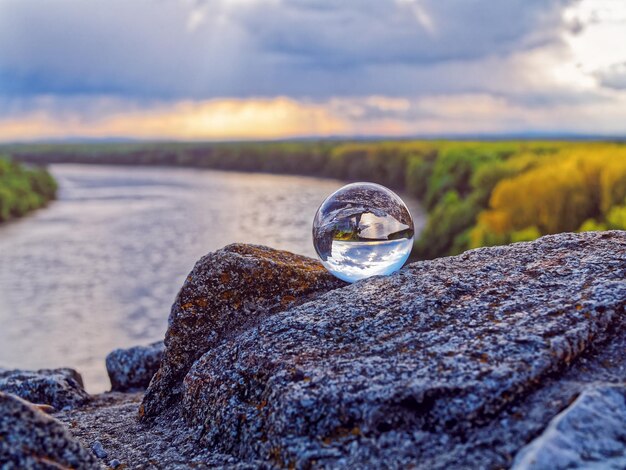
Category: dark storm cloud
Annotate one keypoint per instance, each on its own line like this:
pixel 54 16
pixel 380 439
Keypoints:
pixel 158 49
pixel 370 32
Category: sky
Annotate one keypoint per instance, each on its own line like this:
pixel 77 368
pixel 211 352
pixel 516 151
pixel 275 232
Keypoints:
pixel 271 69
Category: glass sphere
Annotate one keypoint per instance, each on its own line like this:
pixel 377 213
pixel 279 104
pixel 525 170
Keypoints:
pixel 363 230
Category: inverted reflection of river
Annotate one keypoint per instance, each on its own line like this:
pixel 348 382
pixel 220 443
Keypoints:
pixel 100 267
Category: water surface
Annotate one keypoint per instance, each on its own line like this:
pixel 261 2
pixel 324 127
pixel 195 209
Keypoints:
pixel 99 268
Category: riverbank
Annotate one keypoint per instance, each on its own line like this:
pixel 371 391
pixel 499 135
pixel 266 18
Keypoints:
pixel 23 188
pixel 476 193
pixel 500 357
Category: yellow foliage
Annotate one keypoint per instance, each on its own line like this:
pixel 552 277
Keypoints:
pixel 559 194
pixel 525 235
pixel 616 218
pixel 613 182
pixel 592 225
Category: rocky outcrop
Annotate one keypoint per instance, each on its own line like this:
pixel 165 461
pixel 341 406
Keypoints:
pixel 30 439
pixel 381 370
pixel 55 387
pixel 227 291
pixel 454 363
pixel 132 369
pixel 589 433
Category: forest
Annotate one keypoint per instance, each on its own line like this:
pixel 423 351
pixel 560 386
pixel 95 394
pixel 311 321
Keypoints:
pixel 23 188
pixel 476 193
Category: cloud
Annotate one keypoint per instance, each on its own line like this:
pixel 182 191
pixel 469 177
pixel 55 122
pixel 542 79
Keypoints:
pixel 237 48
pixel 211 119
pixel 229 69
pixel 280 117
pixel 613 76
pixel 370 32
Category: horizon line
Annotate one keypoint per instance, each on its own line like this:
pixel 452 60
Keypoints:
pixel 487 136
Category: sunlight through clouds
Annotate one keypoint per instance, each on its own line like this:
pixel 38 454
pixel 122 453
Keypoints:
pixel 260 118
pixel 420 13
pixel 213 119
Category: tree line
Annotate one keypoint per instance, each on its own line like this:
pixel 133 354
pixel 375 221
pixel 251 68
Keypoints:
pixel 23 188
pixel 476 193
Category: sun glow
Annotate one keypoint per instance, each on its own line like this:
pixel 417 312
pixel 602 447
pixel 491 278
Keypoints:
pixel 212 119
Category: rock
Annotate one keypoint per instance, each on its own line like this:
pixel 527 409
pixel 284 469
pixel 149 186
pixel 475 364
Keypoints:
pixel 227 291
pixel 434 364
pixel 111 419
pixel 132 369
pixel 55 387
pixel 589 433
pixel 170 443
pixel 29 439
pixel 99 450
pixel 448 364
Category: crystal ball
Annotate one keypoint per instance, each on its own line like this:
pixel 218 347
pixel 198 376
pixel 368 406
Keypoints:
pixel 363 230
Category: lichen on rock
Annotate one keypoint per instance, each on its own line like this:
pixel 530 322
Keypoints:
pixel 226 292
pixel 441 347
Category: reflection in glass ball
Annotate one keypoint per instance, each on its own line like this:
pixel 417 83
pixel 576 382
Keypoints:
pixel 363 230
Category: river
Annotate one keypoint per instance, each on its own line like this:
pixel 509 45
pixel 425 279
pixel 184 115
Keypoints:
pixel 99 268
